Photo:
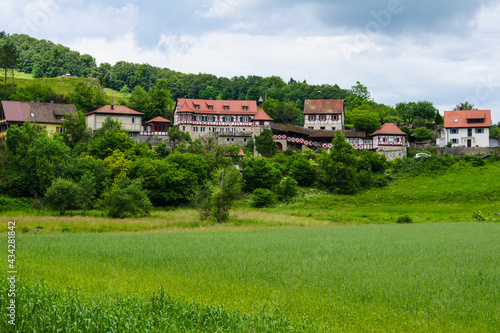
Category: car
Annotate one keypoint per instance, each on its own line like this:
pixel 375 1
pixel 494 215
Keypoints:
pixel 422 155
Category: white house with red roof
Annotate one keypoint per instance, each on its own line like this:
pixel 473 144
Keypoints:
pixel 466 128
pixel 324 114
pixel 131 120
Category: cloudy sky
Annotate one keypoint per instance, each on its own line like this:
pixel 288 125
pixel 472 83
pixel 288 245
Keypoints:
pixel 444 51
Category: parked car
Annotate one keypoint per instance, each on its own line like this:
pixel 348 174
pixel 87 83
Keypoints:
pixel 417 155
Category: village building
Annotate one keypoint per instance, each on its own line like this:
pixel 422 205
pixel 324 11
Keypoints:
pixel 155 129
pixel 324 114
pixel 390 141
pixel 131 120
pixel 466 128
pixel 48 115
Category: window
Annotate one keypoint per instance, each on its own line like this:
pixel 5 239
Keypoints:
pixel 479 130
pixel 195 129
pixel 202 129
pixel 335 117
pixel 32 115
pixel 456 120
pixel 322 128
pixel 454 140
pixel 184 128
pixel 227 139
pixel 311 118
pixel 232 119
pixel 333 128
pixel 245 108
pixel 453 130
pixel 245 140
pixel 197 107
pixel 310 127
pixel 475 121
pixel 226 108
pixel 223 119
pixel 210 107
pixel 133 120
pixel 232 139
pixel 322 117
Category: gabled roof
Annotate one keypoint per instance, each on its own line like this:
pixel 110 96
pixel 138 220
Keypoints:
pixel 158 120
pixel 261 115
pixel 389 129
pixel 460 119
pixel 324 106
pixel 116 110
pixel 15 111
pixel 217 106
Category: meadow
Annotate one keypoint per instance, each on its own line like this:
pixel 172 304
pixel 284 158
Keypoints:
pixel 320 263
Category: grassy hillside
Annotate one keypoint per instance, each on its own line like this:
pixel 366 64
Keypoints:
pixel 60 85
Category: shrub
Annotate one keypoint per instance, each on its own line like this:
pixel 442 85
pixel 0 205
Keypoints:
pixel 286 189
pixel 478 216
pixel 404 219
pixel 126 199
pixel 14 204
pixel 263 197
pixel 62 195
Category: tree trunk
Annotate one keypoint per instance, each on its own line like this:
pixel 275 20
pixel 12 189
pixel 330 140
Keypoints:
pixel 13 90
pixel 219 209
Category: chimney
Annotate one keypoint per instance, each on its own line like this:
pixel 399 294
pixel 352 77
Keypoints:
pixel 112 106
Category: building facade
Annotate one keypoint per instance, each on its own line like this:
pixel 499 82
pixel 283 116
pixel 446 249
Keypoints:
pixel 202 118
pixel 324 114
pixel 131 120
pixel 466 128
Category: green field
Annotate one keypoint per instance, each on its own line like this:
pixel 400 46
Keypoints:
pixel 319 263
pixel 415 277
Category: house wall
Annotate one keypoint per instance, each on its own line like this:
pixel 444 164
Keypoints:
pixel 477 139
pixel 130 123
pixel 327 124
pixel 392 152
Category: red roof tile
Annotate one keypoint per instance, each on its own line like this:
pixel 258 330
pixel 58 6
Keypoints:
pixel 262 116
pixel 158 120
pixel 459 119
pixel 233 107
pixel 116 110
pixel 324 106
pixel 389 129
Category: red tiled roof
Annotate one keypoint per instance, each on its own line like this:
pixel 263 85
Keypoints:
pixel 15 111
pixel 324 106
pixel 233 107
pixel 116 110
pixel 458 119
pixel 262 116
pixel 158 120
pixel 389 129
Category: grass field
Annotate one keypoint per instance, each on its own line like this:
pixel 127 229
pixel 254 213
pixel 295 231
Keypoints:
pixel 416 277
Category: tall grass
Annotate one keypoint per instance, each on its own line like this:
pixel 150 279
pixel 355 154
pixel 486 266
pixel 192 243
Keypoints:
pixel 416 277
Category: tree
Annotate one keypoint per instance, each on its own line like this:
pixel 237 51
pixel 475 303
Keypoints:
pixel 259 172
pixel 126 198
pixel 87 97
pixel 8 60
pixel 338 169
pixel 264 143
pixel 302 170
pixel 365 121
pixel 62 195
pixel 424 109
pixel 422 134
pixel 75 129
pixel 464 106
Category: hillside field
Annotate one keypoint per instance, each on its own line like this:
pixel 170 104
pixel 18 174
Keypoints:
pixel 321 263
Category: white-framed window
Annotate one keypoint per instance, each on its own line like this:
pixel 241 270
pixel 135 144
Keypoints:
pixel 479 130
pixel 322 117
pixel 232 139
pixel 226 108
pixel 210 107
pixel 197 107
pixel 454 140
pixel 227 139
pixel 310 127
pixel 245 108
pixel 335 117
pixel 195 129
pixel 202 129
pixel 245 140
pixel 453 130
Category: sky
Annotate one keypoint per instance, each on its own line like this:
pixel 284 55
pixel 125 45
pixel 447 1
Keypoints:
pixel 443 51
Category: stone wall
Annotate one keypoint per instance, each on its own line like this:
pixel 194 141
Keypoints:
pixel 461 151
pixel 392 152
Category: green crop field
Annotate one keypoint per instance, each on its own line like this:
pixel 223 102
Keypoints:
pixel 413 277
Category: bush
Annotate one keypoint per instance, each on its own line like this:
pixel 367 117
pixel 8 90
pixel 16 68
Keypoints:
pixel 62 195
pixel 478 216
pixel 126 199
pixel 262 197
pixel 404 219
pixel 286 189
pixel 8 204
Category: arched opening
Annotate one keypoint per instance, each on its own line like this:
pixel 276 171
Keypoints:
pixel 280 146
